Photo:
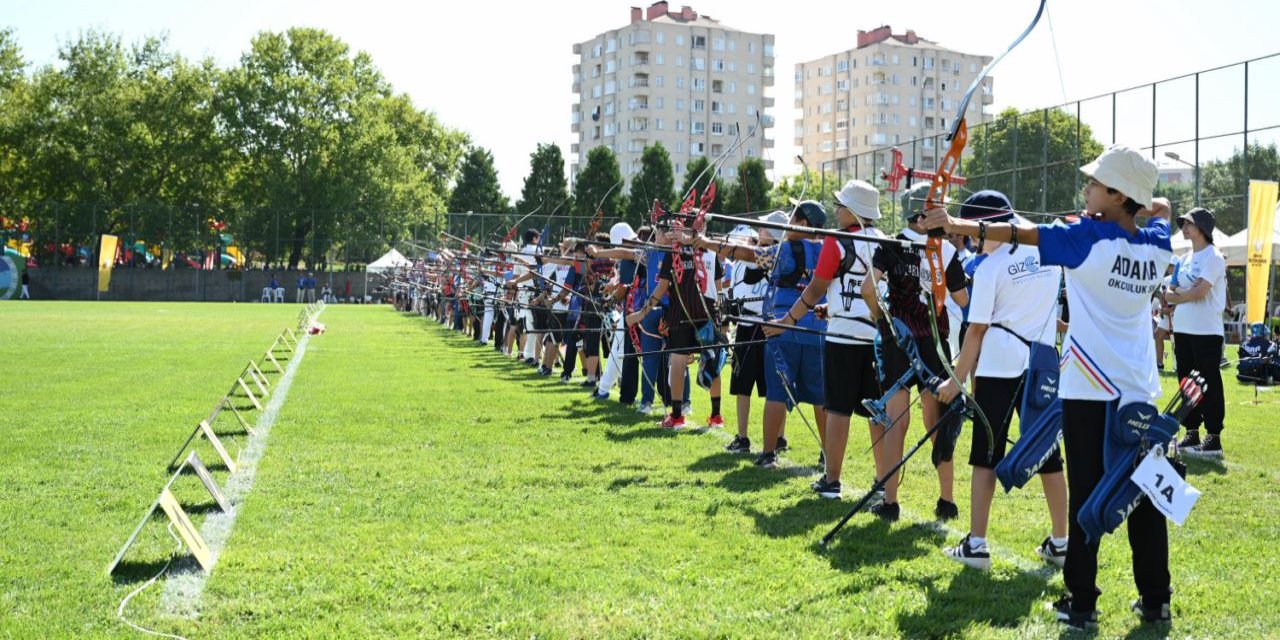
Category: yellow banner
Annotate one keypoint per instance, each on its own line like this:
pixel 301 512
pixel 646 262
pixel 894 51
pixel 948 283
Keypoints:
pixel 1262 215
pixel 166 256
pixel 106 260
pixel 235 253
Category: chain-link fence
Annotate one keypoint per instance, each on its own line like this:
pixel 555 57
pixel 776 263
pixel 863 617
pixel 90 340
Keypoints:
pixel 1204 129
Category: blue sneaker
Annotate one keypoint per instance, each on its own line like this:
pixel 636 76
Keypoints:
pixel 600 395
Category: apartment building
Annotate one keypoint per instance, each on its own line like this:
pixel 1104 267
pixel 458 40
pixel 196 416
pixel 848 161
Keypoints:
pixel 887 91
pixel 676 77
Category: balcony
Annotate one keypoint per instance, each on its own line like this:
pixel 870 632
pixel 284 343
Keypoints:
pixel 767 101
pixel 639 58
pixel 577 49
pixel 640 80
pixel 768 143
pixel 575 127
pixel 573 148
pixel 577 87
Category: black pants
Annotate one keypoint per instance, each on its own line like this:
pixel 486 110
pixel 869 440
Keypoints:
pixel 571 338
pixel 1204 354
pixel 1083 428
pixel 630 383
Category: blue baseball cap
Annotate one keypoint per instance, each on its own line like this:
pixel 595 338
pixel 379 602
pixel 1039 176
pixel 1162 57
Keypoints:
pixel 987 205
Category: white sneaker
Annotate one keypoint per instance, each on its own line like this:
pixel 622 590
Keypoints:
pixel 1052 553
pixel 977 557
pixel 645 409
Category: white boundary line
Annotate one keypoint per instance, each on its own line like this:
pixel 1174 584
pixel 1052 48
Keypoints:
pixel 184 589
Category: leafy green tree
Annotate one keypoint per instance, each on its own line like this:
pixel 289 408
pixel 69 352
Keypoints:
pixel 599 177
pixel 1010 154
pixel 655 181
pixel 546 185
pixel 1224 184
pixel 750 192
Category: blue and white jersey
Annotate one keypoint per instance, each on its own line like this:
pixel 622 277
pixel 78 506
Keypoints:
pixel 1108 353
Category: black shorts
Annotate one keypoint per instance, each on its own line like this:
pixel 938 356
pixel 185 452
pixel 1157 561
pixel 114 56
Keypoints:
pixel 999 398
pixel 748 362
pixel 559 325
pixel 894 363
pixel 849 377
pixel 682 338
pixel 591 322
pixel 541 319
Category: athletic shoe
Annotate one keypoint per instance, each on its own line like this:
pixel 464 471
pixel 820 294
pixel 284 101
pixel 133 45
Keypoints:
pixel 877 496
pixel 767 460
pixel 1077 620
pixel 782 444
pixel 826 489
pixel 739 445
pixel 530 361
pixel 969 554
pixel 645 409
pixel 543 371
pixel 1154 614
pixel 565 379
pixel 589 382
pixel 715 422
pixel 687 409
pixel 670 422
pixel 886 511
pixel 1189 441
pixel 946 510
pixel 600 395
pixel 1052 553
pixel 1210 448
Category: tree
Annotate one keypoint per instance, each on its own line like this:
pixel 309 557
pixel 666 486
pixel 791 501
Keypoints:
pixel 1224 186
pixel 545 186
pixel 1035 165
pixel 654 182
pixel 697 171
pixel 806 185
pixel 750 192
pixel 601 176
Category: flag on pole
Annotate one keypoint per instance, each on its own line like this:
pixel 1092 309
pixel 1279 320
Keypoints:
pixel 1262 212
pixel 106 260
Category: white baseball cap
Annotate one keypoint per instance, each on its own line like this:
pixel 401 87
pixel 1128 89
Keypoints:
pixel 1126 170
pixel 743 231
pixel 621 231
pixel 777 217
pixel 861 198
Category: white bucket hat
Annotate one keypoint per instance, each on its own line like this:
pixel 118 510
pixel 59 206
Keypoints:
pixel 621 231
pixel 743 231
pixel 861 198
pixel 777 217
pixel 1126 170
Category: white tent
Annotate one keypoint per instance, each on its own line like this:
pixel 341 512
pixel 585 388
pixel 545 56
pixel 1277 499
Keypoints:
pixel 392 260
pixel 1236 248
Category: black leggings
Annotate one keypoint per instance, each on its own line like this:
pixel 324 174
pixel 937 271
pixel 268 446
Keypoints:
pixel 1083 428
pixel 1204 354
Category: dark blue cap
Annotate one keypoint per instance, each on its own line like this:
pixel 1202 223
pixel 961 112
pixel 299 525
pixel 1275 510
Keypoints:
pixel 812 212
pixel 987 205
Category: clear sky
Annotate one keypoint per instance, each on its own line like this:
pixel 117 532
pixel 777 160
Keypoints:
pixel 502 70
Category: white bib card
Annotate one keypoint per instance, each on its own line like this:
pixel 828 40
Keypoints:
pixel 1166 489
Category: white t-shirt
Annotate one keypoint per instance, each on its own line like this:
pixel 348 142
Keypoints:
pixel 709 260
pixel 847 312
pixel 1201 317
pixel 520 265
pixel 557 272
pixel 1014 291
pixel 1111 275
pixel 740 290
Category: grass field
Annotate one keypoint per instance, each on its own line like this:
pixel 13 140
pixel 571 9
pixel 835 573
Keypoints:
pixel 417 485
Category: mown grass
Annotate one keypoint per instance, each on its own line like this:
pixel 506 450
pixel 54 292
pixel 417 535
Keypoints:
pixel 417 485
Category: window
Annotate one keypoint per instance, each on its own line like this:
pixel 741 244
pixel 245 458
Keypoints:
pixel 717 128
pixel 611 45
pixel 894 119
pixel 751 110
pixel 733 87
pixel 698 63
pixel 913 122
pixel 717 86
pixel 929 103
pixel 914 61
pixel 679 82
pixel 881 138
pixel 799 131
pixel 826 108
pixel 973 67
pixel 595 91
pixel 768 50
pixel 733 67
pixel 928 122
pixel 799 76
pixel 826 127
pixel 842 143
pixel 608 108
pixel 695 148
pixel 841 125
pixel 915 82
pixel 826 145
pixel 732 109
pixel 842 105
pixel 842 66
pixel 717 64
pixel 660 37
pixel 842 84
pixel 679 61
pixel 595 71
pixel 928 143
pixel 596 51
pixel 733 45
pixel 609 129
pixel 610 87
pixel 895 58
pixel 928 62
pixel 853 121
pixel 657 124
pixel 699 106
pixel 697 128
pixel 699 84
pixel 657 81
pixel 698 42
pixel 610 66
pixel 718 44
pixel 679 40
pixel 717 107
pixel 680 126
pixel 679 104
pixel 751 89
pixel 944 85
pixel 658 102
pixel 657 59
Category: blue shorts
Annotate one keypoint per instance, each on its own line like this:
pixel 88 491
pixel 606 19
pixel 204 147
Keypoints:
pixel 802 365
